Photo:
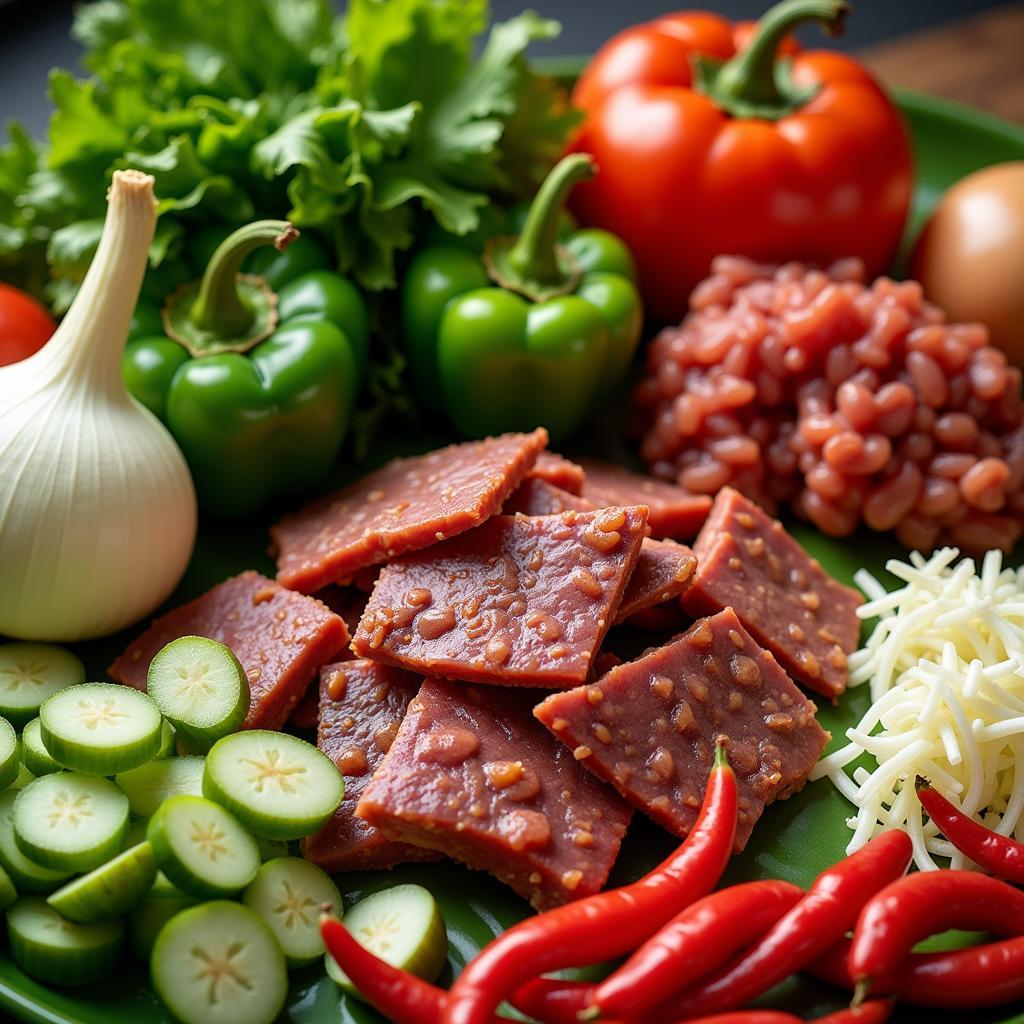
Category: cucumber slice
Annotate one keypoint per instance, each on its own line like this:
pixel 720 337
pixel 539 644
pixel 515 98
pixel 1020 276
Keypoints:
pixel 10 759
pixel 109 890
pixel 135 834
pixel 278 786
pixel 158 906
pixel 290 894
pixel 149 785
pixel 402 925
pixel 34 756
pixel 27 875
pixel 8 894
pixel 100 728
pixel 219 964
pixel 201 689
pixel 201 848
pixel 271 848
pixel 70 822
pixel 168 742
pixel 50 949
pixel 23 779
pixel 29 673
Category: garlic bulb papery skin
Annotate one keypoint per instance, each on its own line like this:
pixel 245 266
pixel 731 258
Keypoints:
pixel 97 507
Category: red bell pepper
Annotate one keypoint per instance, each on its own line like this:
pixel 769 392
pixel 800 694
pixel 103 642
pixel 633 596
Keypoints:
pixel 25 326
pixel 717 138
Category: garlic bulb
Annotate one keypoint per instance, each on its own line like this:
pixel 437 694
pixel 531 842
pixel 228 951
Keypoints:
pixel 97 508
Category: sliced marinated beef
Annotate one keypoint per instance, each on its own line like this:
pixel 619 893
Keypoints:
pixel 362 705
pixel 789 604
pixel 472 775
pixel 673 512
pixel 519 601
pixel 281 639
pixel 404 506
pixel 649 726
pixel 559 471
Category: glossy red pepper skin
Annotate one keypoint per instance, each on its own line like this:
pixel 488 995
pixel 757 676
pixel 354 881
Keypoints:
pixel 607 924
pixel 25 325
pixel 875 1012
pixel 699 939
pixel 682 181
pixel 998 854
pixel 926 903
pixel 820 919
pixel 961 979
pixel 400 996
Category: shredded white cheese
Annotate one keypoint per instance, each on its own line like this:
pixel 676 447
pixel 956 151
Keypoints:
pixel 946 668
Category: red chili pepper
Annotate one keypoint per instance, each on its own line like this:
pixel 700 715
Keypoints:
pixel 554 1000
pixel 999 854
pixel 694 943
pixel 960 979
pixel 399 995
pixel 822 917
pixel 875 1012
pixel 923 904
pixel 609 923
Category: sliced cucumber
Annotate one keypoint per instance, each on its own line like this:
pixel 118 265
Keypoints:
pixel 109 890
pixel 136 833
pixel 271 848
pixel 290 894
pixel 23 779
pixel 59 952
pixel 29 673
pixel 8 894
pixel 100 728
pixel 201 848
pixel 10 759
pixel 27 875
pixel 219 964
pixel 35 757
pixel 200 687
pixel 277 785
pixel 168 742
pixel 149 785
pixel 402 925
pixel 158 906
pixel 70 822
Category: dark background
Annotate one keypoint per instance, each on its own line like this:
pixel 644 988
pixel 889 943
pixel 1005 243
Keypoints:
pixel 34 34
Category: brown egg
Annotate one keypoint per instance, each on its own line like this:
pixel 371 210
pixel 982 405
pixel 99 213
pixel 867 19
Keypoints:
pixel 970 256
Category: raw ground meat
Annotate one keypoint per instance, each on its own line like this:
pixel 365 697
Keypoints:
pixel 361 706
pixel 281 639
pixel 649 727
pixel 518 601
pixel 404 506
pixel 851 403
pixel 788 603
pixel 472 775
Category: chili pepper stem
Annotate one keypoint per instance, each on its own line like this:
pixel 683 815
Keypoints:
pixel 861 990
pixel 590 1013
pixel 227 311
pixel 534 264
pixel 754 83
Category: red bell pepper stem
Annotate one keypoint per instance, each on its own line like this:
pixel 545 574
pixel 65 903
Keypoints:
pixel 912 908
pixel 961 979
pixel 820 919
pixel 694 943
pixel 998 854
pixel 607 924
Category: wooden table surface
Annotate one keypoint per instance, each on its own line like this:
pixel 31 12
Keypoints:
pixel 977 60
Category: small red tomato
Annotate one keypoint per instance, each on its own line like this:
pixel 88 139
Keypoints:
pixel 970 256
pixel 25 325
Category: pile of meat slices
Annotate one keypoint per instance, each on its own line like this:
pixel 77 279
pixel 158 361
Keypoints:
pixel 468 691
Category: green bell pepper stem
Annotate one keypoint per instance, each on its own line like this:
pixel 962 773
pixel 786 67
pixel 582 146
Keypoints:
pixel 534 264
pixel 219 308
pixel 754 83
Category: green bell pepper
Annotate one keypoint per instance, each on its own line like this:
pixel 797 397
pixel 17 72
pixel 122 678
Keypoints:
pixel 533 331
pixel 256 374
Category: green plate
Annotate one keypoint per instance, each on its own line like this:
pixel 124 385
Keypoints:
pixel 795 840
